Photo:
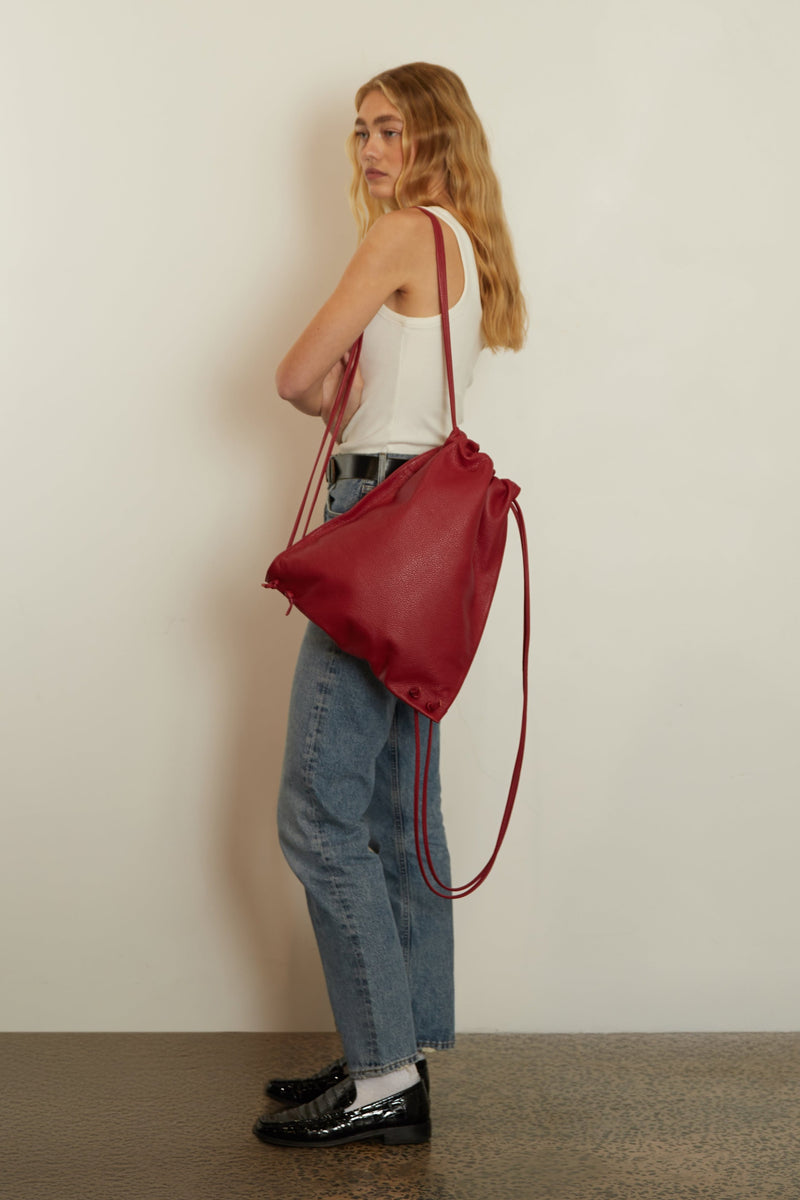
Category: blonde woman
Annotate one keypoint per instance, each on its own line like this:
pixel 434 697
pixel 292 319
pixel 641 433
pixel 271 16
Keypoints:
pixel 345 811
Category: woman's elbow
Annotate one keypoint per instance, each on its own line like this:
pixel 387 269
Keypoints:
pixel 296 390
pixel 286 383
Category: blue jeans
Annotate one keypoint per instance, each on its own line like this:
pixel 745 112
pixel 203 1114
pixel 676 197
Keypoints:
pixel 346 827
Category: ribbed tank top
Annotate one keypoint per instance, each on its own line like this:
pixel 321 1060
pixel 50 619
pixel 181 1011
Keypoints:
pixel 404 405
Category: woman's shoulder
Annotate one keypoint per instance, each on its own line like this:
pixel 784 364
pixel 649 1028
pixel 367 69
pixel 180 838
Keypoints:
pixel 410 229
pixel 415 217
pixel 402 235
pixel 401 224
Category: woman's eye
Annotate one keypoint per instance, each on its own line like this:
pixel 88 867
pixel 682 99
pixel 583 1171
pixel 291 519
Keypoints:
pixel 361 135
pixel 391 133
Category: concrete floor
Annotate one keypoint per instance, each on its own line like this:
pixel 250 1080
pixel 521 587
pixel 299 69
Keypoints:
pixel 515 1117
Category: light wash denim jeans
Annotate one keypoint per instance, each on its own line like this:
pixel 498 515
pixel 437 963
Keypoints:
pixel 346 826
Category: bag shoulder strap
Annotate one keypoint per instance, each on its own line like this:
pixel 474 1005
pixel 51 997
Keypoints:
pixel 441 273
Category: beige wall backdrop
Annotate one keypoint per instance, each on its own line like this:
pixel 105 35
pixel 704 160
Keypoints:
pixel 173 209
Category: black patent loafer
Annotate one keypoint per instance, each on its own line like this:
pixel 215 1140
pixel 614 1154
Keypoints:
pixel 400 1120
pixel 303 1091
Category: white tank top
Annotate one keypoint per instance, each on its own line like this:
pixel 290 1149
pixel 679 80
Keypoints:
pixel 405 407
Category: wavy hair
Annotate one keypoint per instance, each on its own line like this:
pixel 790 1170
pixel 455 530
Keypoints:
pixel 444 144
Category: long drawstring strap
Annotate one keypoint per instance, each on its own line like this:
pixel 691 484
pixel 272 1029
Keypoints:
pixel 421 804
pixel 332 428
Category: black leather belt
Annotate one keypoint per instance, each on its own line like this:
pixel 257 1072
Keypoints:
pixel 361 466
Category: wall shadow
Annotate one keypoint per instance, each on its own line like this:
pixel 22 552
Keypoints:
pixel 258 645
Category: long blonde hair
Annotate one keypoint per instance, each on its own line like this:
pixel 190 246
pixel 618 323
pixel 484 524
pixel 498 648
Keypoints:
pixel 444 144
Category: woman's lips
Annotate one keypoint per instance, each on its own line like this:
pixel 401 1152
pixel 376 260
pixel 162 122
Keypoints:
pixel 374 174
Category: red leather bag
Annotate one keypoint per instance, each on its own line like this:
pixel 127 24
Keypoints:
pixel 406 577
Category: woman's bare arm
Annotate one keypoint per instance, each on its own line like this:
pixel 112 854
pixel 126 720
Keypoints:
pixel 383 264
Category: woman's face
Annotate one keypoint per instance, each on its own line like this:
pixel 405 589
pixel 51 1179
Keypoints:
pixel 379 136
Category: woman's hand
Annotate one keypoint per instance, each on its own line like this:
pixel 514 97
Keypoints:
pixel 330 388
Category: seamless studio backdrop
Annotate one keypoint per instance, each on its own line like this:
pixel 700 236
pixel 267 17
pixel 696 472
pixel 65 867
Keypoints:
pixel 173 210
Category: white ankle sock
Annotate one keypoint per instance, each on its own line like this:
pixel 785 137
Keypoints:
pixel 378 1087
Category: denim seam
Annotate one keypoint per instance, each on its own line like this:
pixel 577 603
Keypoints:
pixel 360 974
pixel 320 711
pixel 311 759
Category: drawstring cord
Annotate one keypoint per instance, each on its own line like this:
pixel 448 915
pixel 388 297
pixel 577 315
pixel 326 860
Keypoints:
pixel 274 583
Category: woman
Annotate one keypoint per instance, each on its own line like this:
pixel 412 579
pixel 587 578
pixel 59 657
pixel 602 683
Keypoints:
pixel 345 811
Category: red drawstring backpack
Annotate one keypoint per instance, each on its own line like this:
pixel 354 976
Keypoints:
pixel 406 577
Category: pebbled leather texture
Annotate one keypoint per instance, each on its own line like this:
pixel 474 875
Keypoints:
pixel 406 577
pixel 403 1119
pixel 301 1091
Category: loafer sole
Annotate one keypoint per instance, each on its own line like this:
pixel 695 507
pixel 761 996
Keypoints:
pixel 400 1135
